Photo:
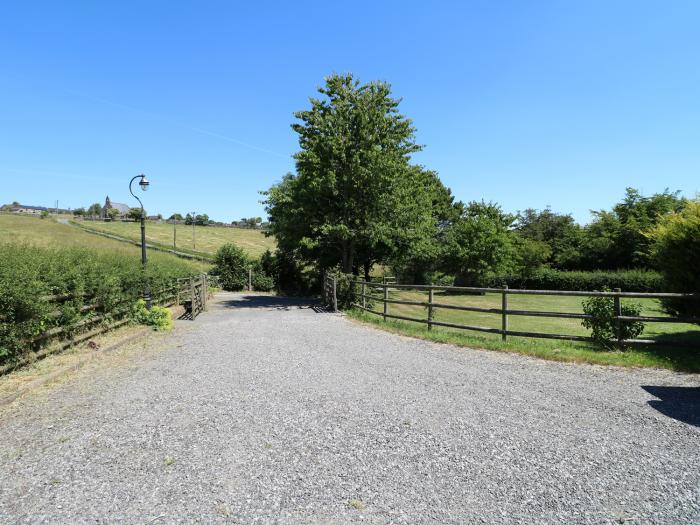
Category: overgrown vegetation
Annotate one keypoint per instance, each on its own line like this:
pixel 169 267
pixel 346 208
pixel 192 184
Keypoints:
pixel 30 273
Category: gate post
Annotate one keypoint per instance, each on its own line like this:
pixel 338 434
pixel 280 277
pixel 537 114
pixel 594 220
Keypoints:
pixel 504 314
pixel 335 293
pixel 364 302
pixel 430 308
pixel 386 298
pixel 618 321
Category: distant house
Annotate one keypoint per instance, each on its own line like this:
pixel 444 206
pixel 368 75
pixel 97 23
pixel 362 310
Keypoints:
pixel 33 210
pixel 123 209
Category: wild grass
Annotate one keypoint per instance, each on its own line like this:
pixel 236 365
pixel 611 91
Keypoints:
pixel 667 356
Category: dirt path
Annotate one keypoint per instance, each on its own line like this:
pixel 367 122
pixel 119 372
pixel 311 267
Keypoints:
pixel 267 410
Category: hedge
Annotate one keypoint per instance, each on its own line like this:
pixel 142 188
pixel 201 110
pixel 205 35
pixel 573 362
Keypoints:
pixel 28 274
pixel 548 279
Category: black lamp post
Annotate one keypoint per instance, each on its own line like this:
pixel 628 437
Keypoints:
pixel 144 186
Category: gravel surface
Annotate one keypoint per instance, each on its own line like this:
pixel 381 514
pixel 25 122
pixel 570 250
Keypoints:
pixel 264 410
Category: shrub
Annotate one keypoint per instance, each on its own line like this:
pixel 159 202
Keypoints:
pixel 549 279
pixel 676 253
pixel 261 281
pixel 159 317
pixel 602 323
pixel 345 289
pixel 231 266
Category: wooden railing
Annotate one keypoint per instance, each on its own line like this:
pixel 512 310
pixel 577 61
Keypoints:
pixel 362 289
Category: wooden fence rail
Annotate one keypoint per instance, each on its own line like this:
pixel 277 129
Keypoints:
pixel 363 291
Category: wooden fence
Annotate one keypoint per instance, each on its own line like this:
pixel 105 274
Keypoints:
pixel 190 291
pixel 362 289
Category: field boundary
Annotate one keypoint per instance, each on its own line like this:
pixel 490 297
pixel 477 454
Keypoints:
pixel 366 287
pixel 149 245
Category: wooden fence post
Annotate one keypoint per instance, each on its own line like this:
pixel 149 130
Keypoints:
pixel 386 298
pixel 430 308
pixel 618 313
pixel 250 279
pixel 205 287
pixel 335 293
pixel 364 302
pixel 504 314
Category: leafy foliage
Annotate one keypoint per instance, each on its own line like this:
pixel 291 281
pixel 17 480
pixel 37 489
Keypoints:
pixel 29 274
pixel 602 324
pixel 550 279
pixel 231 266
pixel 479 243
pixel 676 253
pixel 160 318
pixel 355 199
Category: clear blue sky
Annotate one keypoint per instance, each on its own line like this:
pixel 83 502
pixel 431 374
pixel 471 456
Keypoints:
pixel 525 103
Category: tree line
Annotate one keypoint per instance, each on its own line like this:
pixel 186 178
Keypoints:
pixel 357 201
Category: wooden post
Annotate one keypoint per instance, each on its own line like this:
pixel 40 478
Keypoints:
pixel 250 279
pixel 174 235
pixel 364 302
pixel 386 298
pixel 618 313
pixel 205 288
pixel 335 294
pixel 504 314
pixel 430 308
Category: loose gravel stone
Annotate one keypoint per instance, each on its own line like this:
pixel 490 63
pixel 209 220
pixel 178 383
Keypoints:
pixel 268 410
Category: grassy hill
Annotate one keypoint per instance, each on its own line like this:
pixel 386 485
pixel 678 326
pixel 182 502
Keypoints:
pixel 207 239
pixel 47 232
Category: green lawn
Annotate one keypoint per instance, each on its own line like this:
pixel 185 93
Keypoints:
pixel 47 232
pixel 207 239
pixel 664 357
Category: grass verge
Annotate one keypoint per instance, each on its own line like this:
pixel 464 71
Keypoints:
pixel 678 359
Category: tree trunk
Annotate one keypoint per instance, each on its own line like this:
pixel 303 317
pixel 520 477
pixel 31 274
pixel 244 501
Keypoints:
pixel 367 266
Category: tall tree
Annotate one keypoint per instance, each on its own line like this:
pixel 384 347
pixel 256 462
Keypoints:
pixel 354 199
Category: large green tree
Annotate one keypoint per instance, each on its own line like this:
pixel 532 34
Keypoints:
pixel 480 243
pixel 355 199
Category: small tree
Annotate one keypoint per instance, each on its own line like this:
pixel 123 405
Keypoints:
pixel 95 210
pixel 112 213
pixel 79 212
pixel 134 214
pixel 676 253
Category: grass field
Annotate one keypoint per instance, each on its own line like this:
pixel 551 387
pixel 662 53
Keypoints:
pixel 207 238
pixel 663 357
pixel 47 232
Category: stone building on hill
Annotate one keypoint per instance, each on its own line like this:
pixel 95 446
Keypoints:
pixel 123 209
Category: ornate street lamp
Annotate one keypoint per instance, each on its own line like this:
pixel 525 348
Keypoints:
pixel 144 186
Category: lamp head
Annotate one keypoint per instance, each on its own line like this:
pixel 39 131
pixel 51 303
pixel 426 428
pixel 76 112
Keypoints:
pixel 144 183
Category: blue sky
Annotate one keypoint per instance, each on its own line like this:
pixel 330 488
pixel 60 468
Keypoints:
pixel 528 104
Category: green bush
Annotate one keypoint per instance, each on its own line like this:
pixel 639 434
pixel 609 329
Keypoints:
pixel 231 265
pixel 603 325
pixel 676 252
pixel 159 317
pixel 549 279
pixel 261 281
pixel 29 274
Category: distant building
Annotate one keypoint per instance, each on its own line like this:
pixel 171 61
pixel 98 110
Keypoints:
pixel 33 210
pixel 123 209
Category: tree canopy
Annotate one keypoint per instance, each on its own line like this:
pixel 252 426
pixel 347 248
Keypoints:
pixel 355 198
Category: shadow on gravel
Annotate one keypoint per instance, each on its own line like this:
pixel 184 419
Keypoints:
pixel 273 302
pixel 678 402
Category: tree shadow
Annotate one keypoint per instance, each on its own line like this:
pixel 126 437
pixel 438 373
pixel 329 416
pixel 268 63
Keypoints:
pixel 273 302
pixel 678 402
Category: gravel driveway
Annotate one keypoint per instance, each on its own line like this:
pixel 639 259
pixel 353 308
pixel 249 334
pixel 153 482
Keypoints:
pixel 266 410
